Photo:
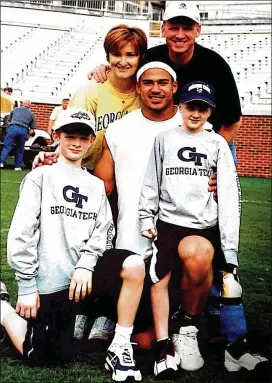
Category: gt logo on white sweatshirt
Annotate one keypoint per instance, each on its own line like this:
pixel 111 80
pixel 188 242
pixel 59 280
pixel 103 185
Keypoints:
pixel 192 155
pixel 74 196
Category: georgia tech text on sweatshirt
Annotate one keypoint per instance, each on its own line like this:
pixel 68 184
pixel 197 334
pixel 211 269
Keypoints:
pixel 73 213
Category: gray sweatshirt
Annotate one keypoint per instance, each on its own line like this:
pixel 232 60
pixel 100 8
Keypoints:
pixel 62 221
pixel 176 186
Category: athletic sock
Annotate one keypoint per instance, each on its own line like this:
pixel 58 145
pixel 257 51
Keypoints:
pixel 122 334
pixel 182 319
pixel 161 339
pixel 6 308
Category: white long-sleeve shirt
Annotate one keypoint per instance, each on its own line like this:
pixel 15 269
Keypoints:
pixel 176 186
pixel 62 222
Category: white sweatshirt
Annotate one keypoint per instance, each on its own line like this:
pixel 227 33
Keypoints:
pixel 176 186
pixel 62 222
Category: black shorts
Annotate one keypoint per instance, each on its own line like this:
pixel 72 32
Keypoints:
pixel 169 236
pixel 107 284
pixel 49 337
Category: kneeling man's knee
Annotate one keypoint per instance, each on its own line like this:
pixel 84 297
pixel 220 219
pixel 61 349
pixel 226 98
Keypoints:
pixel 196 254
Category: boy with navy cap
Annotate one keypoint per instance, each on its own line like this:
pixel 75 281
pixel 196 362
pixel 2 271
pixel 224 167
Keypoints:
pixel 61 253
pixel 191 225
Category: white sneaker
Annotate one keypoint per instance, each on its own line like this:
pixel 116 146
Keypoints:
pixel 238 355
pixel 17 169
pixel 79 326
pixel 186 346
pixel 121 363
pixel 247 361
pixel 103 328
pixel 1 165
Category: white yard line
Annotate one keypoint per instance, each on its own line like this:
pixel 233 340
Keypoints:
pixel 256 202
pixel 10 182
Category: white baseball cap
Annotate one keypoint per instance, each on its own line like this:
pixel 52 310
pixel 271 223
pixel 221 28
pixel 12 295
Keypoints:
pixel 75 120
pixel 181 9
pixel 156 65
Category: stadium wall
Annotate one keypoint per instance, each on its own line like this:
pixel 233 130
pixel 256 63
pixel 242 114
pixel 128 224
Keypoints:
pixel 253 141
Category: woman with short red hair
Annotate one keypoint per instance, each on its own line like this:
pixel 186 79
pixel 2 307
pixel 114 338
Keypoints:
pixel 125 48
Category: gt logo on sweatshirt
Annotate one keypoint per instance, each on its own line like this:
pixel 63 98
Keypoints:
pixel 188 154
pixel 71 194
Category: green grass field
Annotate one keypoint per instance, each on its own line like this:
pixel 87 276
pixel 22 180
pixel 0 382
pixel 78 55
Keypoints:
pixel 255 274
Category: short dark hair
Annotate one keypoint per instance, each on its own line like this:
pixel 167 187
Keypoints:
pixel 65 99
pixel 8 89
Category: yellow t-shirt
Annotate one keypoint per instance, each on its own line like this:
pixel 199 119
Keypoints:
pixel 107 105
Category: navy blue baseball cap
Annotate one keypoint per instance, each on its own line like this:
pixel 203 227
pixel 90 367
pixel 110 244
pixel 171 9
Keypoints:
pixel 198 91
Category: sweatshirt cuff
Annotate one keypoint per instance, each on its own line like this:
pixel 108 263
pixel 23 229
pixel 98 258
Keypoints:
pixel 147 223
pixel 231 257
pixel 27 286
pixel 87 261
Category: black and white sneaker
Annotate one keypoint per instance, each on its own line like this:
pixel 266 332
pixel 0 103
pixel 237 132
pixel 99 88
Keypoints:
pixel 239 354
pixel 166 360
pixel 4 295
pixel 121 363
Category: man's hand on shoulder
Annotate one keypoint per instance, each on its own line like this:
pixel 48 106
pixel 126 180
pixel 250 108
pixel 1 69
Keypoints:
pixel 45 158
pixel 99 73
pixel 28 305
pixel 81 284
pixel 151 233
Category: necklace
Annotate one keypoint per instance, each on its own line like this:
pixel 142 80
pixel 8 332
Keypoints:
pixel 127 94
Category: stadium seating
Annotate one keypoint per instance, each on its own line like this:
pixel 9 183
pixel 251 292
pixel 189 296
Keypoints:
pixel 50 59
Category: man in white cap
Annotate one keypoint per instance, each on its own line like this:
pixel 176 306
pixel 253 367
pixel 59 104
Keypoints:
pixel 191 61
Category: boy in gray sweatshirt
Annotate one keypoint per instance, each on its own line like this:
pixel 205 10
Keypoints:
pixel 191 225
pixel 59 245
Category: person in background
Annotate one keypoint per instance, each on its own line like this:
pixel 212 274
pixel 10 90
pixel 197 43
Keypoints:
pixel 21 121
pixel 55 113
pixel 8 90
pixel 6 107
